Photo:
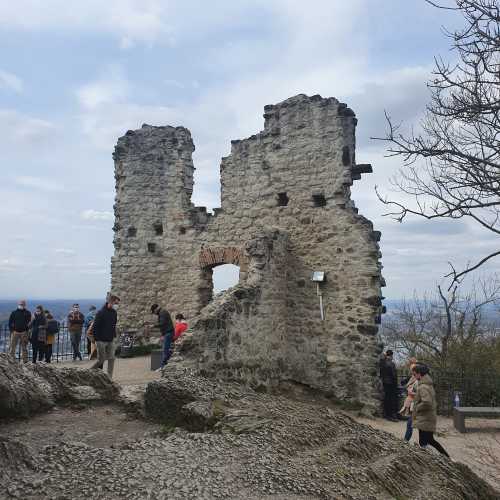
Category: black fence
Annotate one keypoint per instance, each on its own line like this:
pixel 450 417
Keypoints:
pixel 62 349
pixel 474 388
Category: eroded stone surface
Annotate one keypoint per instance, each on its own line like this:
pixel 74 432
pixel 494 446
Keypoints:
pixel 26 389
pixel 286 211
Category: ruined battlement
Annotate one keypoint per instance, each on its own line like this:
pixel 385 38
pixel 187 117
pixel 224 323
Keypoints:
pixel 291 181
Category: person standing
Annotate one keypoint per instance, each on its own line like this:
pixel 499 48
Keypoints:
pixel 89 319
pixel 38 334
pixel 75 326
pixel 389 376
pixel 52 331
pixel 424 409
pixel 166 331
pixel 104 331
pixel 19 324
pixel 411 388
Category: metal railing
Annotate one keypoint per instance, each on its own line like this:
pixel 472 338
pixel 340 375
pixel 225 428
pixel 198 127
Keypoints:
pixel 62 349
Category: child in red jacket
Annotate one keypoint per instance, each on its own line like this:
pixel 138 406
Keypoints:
pixel 180 326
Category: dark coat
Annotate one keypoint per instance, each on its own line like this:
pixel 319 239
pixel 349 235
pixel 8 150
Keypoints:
pixel 105 325
pixel 165 322
pixel 388 372
pixel 19 320
pixel 38 328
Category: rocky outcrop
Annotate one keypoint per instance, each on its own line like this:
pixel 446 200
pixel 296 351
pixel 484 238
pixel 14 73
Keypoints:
pixel 279 447
pixel 223 440
pixel 28 389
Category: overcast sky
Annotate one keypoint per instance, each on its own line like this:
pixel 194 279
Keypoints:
pixel 75 76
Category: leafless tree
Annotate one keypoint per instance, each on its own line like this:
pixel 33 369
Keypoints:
pixel 429 327
pixel 451 162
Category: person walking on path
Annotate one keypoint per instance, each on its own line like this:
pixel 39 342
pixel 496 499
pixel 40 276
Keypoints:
pixel 411 387
pixel 104 331
pixel 166 331
pixel 424 409
pixel 389 377
pixel 89 319
pixel 180 326
pixel 52 331
pixel 75 326
pixel 19 324
pixel 38 334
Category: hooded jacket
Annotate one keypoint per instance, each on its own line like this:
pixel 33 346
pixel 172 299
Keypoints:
pixel 424 405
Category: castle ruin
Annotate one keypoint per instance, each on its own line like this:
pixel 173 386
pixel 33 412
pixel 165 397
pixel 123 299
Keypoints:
pixel 286 211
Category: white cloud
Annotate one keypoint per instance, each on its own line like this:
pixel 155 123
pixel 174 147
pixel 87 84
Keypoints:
pixel 97 215
pixel 128 20
pixel 18 128
pixel 11 82
pixel 112 87
pixel 38 183
pixel 67 252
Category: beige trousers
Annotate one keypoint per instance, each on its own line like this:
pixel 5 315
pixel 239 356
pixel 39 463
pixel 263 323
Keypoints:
pixel 21 337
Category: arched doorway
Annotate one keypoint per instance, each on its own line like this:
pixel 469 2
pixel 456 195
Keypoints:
pixel 231 266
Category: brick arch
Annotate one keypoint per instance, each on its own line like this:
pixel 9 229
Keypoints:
pixel 215 256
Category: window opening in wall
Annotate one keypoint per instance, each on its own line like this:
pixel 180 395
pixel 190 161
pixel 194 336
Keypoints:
pixel 319 200
pixel 132 231
pixel 282 200
pixel 158 227
pixel 151 247
pixel 217 279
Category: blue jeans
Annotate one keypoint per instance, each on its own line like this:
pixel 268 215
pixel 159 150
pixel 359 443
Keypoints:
pixel 409 429
pixel 167 344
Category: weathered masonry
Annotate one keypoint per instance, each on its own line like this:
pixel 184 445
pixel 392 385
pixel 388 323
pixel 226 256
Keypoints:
pixel 286 211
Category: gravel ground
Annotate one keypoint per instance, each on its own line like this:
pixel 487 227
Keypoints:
pixel 260 446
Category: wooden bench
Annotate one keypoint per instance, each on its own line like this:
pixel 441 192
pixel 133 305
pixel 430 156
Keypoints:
pixel 460 412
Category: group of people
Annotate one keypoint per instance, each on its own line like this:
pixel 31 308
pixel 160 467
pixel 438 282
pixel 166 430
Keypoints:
pixel 40 329
pixel 419 408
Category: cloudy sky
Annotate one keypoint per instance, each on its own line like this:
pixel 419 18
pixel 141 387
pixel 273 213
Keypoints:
pixel 75 76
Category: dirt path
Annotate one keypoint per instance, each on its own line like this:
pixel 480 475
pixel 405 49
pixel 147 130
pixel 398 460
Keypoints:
pixel 97 426
pixel 479 447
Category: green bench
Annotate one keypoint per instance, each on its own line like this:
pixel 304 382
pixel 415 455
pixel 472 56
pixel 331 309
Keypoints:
pixel 461 412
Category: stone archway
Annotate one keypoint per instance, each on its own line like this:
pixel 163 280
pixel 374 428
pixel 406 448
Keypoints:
pixel 211 257
pixel 215 256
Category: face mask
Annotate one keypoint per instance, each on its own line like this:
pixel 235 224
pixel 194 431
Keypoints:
pixel 115 307
pixel 20 306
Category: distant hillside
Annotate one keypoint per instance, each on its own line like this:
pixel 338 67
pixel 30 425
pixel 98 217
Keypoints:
pixel 58 308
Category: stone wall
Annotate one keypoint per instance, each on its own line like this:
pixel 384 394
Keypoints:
pixel 294 177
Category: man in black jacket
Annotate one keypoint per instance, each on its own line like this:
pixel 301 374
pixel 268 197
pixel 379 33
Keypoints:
pixel 389 376
pixel 166 331
pixel 104 332
pixel 19 323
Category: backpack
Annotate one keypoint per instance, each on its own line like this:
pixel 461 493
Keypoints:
pixel 52 327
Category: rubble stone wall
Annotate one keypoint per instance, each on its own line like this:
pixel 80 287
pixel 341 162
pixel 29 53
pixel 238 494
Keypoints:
pixel 294 177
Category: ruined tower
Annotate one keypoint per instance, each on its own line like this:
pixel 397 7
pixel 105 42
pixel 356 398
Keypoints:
pixel 285 212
